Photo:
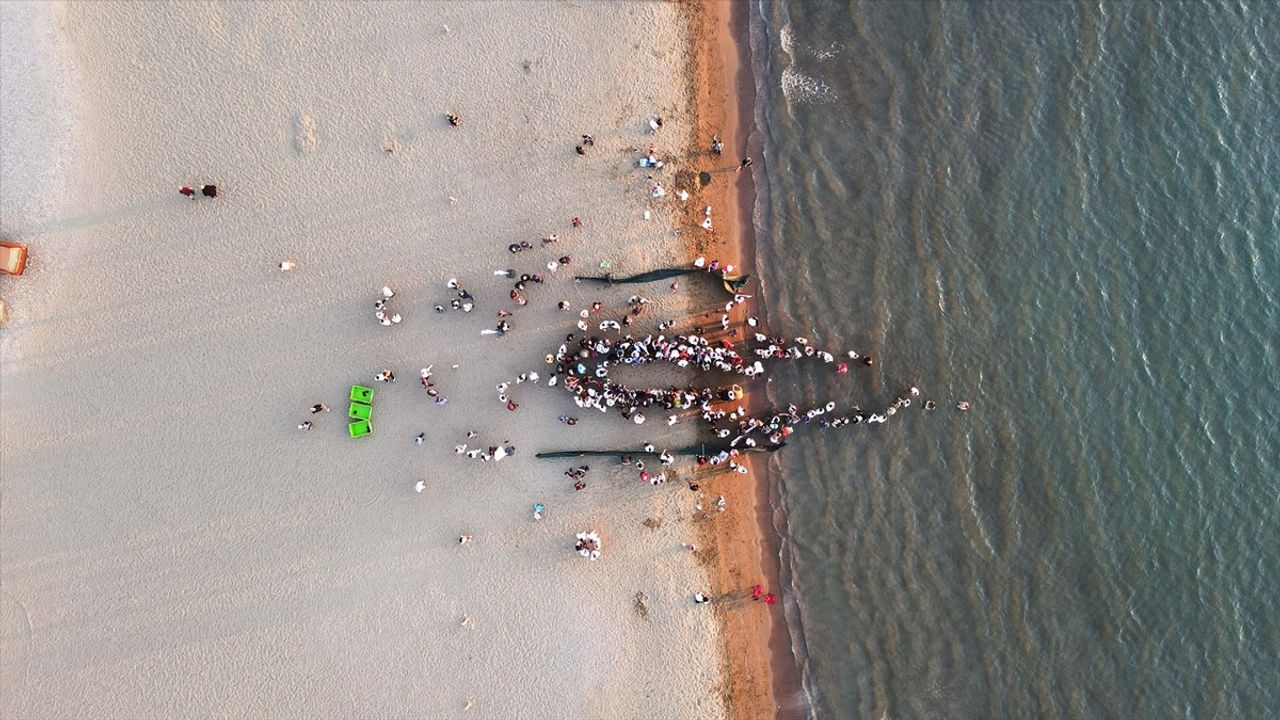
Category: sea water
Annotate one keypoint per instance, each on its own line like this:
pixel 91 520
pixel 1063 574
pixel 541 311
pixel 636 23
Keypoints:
pixel 1065 214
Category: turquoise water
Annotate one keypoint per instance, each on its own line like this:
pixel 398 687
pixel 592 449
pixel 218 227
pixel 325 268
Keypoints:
pixel 1066 214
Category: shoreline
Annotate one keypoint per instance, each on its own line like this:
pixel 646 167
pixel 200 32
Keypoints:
pixel 759 677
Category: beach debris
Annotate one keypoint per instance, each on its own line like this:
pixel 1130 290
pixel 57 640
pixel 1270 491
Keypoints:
pixel 701 598
pixel 468 622
pixel 286 265
pixel 963 406
pixel 641 605
pixel 465 538
pixel 471 701
pixel 588 545
pixel 210 191
pixel 420 486
pixel 454 119
pixel 653 523
pixel 655 124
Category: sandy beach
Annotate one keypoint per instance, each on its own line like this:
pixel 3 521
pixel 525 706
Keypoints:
pixel 172 544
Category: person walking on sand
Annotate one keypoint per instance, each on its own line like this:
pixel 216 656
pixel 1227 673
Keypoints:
pixel 746 163
pixel 385 376
pixel 319 407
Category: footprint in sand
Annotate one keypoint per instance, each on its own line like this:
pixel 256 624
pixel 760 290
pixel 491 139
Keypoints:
pixel 304 133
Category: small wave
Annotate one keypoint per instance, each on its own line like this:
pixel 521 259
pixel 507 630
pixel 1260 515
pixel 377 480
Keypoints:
pixel 828 52
pixel 798 87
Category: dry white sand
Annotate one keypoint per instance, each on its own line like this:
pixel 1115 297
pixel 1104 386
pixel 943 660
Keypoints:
pixel 170 544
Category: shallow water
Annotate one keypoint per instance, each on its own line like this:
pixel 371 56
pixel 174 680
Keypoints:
pixel 1065 214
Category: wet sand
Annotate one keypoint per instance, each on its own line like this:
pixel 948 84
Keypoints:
pixel 761 677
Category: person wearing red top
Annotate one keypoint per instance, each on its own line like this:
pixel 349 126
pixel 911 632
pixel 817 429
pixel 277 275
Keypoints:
pixel 769 599
pixel 188 191
pixel 756 592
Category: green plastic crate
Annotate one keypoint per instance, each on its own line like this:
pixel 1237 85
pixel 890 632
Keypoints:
pixel 359 411
pixel 362 394
pixel 359 428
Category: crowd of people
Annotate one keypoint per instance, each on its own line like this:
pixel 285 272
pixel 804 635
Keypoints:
pixel 583 364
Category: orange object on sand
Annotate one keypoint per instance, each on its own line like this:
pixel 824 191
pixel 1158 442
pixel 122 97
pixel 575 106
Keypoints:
pixel 13 258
